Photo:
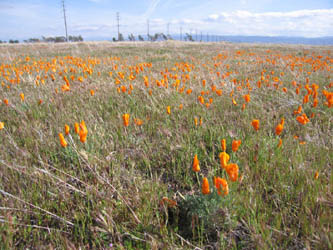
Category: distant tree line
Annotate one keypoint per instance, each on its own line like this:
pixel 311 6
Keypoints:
pixel 10 41
pixel 153 38
pixel 55 39
pixel 131 37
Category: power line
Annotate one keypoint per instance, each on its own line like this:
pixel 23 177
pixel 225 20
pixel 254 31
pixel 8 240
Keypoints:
pixel 64 10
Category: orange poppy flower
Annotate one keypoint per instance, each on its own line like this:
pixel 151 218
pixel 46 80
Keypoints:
pixel 201 99
pixel 247 98
pixel 223 145
pixel 65 88
pixel 22 97
pixel 66 129
pixel 306 99
pixel 2 125
pixel 62 140
pixel 168 110
pixel 83 132
pixel 255 124
pixel 196 121
pixel 278 129
pixel 195 165
pixel 224 158
pixel 232 171
pixel 76 127
pixel 221 185
pixel 138 122
pixel 219 92
pixel 280 143
pixel 5 101
pixel 205 186
pixel 298 111
pixel 316 175
pixel 126 118
pixel 236 144
pixel 302 119
pixel 189 91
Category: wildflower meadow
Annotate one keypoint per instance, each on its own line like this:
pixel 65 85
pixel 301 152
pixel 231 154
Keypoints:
pixel 166 145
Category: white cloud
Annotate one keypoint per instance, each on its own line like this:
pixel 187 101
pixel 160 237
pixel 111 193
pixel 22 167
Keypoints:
pixel 90 28
pixel 308 23
pixel 213 16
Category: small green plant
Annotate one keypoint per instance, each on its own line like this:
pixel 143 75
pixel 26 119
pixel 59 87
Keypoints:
pixel 200 215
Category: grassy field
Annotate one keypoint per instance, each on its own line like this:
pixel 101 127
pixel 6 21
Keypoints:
pixel 121 181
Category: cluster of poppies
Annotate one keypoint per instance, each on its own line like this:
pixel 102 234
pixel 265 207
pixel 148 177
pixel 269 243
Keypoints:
pixel 231 169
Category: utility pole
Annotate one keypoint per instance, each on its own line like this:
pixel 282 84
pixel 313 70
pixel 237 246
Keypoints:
pixel 207 37
pixel 181 33
pixel 63 7
pixel 118 19
pixel 196 35
pixel 168 25
pixel 148 30
pixel 201 36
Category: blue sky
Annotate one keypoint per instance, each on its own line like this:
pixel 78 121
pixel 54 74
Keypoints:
pixel 93 19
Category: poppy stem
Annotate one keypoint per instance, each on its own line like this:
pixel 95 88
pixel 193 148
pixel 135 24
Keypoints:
pixel 197 175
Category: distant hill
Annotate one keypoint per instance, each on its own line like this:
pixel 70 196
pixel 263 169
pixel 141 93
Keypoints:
pixel 266 39
pixel 247 39
pixel 279 39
